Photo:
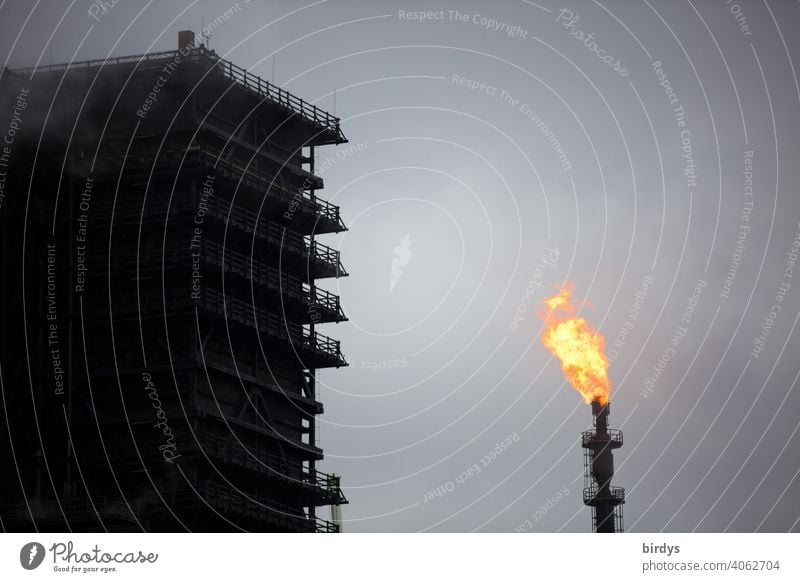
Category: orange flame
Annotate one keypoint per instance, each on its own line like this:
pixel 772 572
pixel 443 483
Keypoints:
pixel 578 346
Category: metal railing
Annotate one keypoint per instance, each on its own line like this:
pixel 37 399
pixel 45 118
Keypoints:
pixel 233 127
pixel 129 210
pixel 592 495
pixel 268 183
pixel 313 252
pixel 271 324
pixel 280 467
pixel 258 508
pixel 246 314
pixel 272 278
pixel 591 437
pixel 75 509
pixel 254 152
pixel 277 234
pixel 94 63
pixel 106 507
pixel 323 120
pixel 172 300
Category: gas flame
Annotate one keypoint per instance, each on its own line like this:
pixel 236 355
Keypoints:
pixel 578 346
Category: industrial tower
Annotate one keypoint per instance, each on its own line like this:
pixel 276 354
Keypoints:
pixel 160 306
pixel 598 445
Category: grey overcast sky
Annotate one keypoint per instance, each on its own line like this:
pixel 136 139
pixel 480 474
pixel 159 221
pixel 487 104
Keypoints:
pixel 646 151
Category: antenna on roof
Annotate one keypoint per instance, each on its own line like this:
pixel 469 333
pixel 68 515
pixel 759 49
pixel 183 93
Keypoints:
pixel 206 37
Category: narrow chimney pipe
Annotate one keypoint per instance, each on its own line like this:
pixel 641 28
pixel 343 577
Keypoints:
pixel 185 39
pixel 600 413
pixel 600 469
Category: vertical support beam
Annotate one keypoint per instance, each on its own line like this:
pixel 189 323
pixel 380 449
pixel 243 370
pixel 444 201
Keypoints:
pixel 6 497
pixel 70 339
pixel 312 372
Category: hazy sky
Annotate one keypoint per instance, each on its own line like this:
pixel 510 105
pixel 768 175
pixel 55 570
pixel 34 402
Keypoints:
pixel 646 151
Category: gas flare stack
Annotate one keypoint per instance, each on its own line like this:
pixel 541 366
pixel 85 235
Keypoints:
pixel 598 458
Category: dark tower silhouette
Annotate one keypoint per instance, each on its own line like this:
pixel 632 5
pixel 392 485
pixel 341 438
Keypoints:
pixel 160 306
pixel 605 500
